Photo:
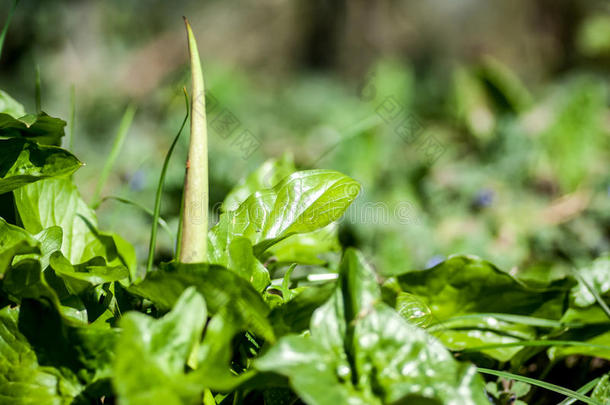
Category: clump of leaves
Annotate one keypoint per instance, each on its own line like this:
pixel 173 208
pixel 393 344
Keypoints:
pixel 227 322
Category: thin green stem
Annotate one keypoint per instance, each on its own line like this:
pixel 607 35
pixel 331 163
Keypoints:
pixel 114 153
pixel 194 219
pixel 157 209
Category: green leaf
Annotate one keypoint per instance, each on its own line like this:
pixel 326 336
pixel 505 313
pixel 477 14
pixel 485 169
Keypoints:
pixel 91 273
pixel 14 241
pixel 23 162
pixel 57 202
pixel 10 106
pixel 41 127
pixel 360 351
pixel 467 285
pixel 221 288
pixel 22 379
pixel 303 202
pixel 152 354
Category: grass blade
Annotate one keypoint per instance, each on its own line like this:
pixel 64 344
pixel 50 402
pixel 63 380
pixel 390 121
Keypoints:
pixel 518 319
pixel 542 384
pixel 114 153
pixel 6 24
pixel 582 390
pixel 127 201
pixel 534 343
pixel 157 210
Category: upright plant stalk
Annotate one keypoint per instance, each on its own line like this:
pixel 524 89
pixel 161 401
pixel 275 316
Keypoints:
pixel 194 221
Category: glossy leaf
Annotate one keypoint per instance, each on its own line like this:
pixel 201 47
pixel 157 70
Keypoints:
pixel 23 162
pixel 360 351
pixel 56 202
pixel 303 202
pixel 221 288
pixel 41 127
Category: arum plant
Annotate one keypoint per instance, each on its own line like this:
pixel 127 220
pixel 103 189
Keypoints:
pixel 192 246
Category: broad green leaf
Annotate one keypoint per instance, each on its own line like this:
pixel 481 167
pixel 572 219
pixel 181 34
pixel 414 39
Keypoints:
pixel 42 127
pixel 242 259
pixel 464 285
pixel 222 289
pixel 10 106
pixel 23 162
pixel 301 203
pixel 152 354
pixel 94 271
pixel 23 381
pixel 14 241
pixel 463 333
pixel 360 351
pixel 57 202
pixel 50 242
pixel 468 284
pixel 266 176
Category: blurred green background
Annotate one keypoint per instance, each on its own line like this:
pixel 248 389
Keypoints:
pixel 474 127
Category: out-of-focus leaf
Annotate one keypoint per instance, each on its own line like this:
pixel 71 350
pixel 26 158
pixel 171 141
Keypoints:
pixel 505 85
pixel 22 379
pixel 42 127
pixel 574 138
pixel 221 288
pixel 14 241
pixel 23 162
pixel 10 106
pixel 266 176
pixel 360 351
pixel 152 354
pixel 57 202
